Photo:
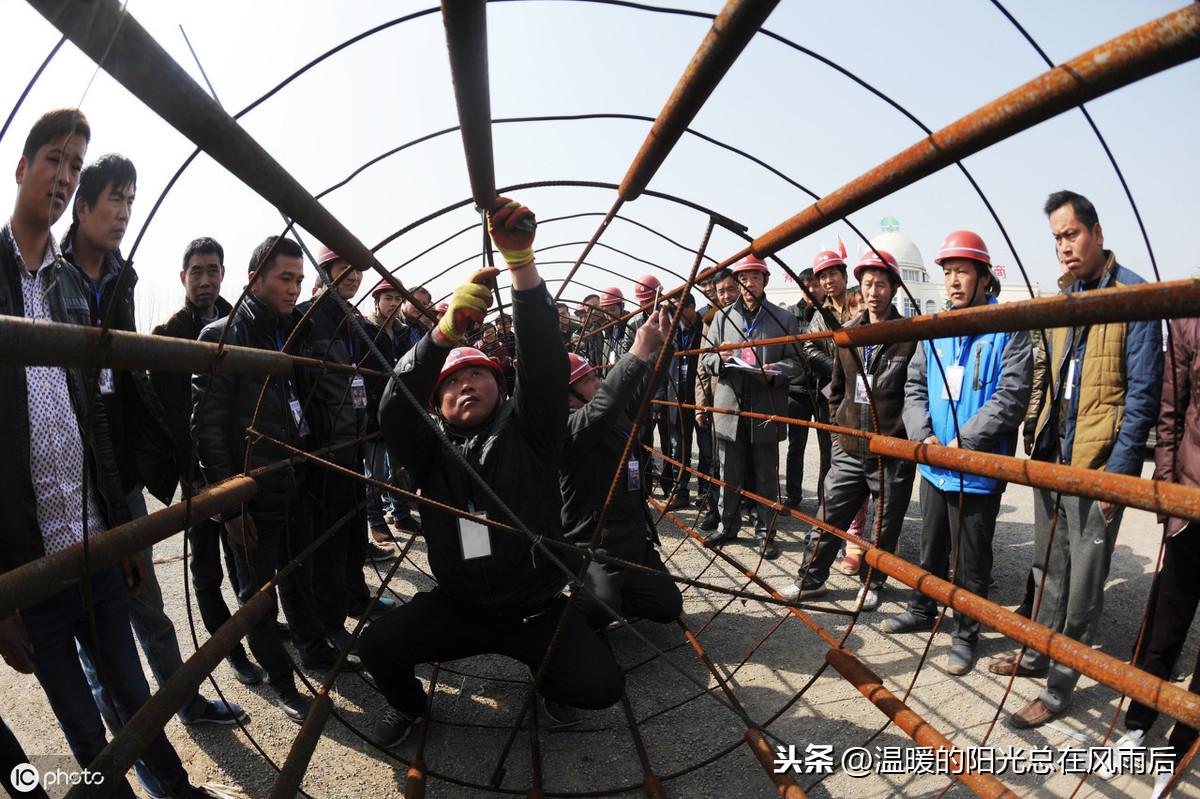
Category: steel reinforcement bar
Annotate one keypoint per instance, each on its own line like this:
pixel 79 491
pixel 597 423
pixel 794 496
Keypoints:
pixel 105 32
pixel 1103 668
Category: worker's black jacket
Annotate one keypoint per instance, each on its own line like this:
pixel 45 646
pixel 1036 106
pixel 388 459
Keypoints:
pixel 596 436
pixel 141 437
pixel 174 389
pixel 20 535
pixel 224 404
pixel 389 345
pixel 516 452
pixel 330 410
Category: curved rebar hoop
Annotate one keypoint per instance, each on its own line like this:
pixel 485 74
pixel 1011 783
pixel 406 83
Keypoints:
pixel 732 29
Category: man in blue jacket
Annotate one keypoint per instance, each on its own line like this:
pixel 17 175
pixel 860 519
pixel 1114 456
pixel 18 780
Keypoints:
pixel 969 392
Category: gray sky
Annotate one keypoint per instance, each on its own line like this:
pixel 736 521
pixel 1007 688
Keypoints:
pixel 938 59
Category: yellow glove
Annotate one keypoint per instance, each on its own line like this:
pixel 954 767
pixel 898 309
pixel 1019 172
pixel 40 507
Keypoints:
pixel 467 305
pixel 513 239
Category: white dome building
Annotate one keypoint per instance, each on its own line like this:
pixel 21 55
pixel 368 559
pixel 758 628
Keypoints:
pixel 929 295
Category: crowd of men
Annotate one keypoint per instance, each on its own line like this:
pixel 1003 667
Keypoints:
pixel 537 427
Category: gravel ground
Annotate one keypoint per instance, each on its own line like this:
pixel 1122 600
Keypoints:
pixel 477 700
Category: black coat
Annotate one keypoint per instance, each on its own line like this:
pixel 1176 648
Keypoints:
pixel 330 410
pixel 141 436
pixel 223 406
pixel 391 347
pixel 174 389
pixel 516 452
pixel 20 534
pixel 596 436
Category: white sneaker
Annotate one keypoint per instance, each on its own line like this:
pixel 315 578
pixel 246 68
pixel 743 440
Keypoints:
pixel 1160 785
pixel 869 598
pixel 1134 739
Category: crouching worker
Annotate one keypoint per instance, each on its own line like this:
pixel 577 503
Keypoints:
pixel 597 429
pixel 496 594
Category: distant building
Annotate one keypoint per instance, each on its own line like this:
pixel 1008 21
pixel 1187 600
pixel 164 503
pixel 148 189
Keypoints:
pixel 927 290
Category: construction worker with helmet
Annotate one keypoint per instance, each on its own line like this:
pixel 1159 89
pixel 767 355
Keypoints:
pixel 968 392
pixel 602 413
pixel 858 396
pixel 752 378
pixel 495 592
pixel 647 290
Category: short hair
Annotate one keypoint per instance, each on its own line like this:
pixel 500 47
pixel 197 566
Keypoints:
pixel 424 291
pixel 53 124
pixel 265 254
pixel 205 245
pixel 562 306
pixel 591 297
pixel 807 274
pixel 111 169
pixel 1085 212
pixel 724 274
pixel 689 300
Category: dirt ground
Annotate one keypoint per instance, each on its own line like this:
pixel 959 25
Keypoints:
pixel 477 700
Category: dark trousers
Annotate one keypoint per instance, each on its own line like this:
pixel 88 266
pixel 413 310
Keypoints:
pixel 337 574
pixel 808 406
pixel 941 538
pixel 1172 606
pixel 657 420
pixel 279 539
pixel 54 626
pixel 581 671
pixel 706 443
pixel 11 756
pixel 752 466
pixel 683 437
pixel 850 482
pixel 630 593
pixel 207 541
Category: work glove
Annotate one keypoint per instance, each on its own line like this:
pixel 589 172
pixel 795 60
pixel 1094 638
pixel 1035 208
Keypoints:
pixel 505 225
pixel 467 305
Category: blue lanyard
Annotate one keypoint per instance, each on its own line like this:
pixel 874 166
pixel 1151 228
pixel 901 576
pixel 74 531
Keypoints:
pixel 748 330
pixel 870 350
pixel 684 343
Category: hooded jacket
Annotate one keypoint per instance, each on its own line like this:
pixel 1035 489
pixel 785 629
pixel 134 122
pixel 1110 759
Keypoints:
pixel 224 405
pixel 20 534
pixel 888 368
pixel 993 395
pixel 516 452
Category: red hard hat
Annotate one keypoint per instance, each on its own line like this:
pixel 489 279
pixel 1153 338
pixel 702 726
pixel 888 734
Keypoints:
pixel 750 263
pixel 580 367
pixel 462 358
pixel 827 259
pixel 381 287
pixel 870 260
pixel 648 286
pixel 964 244
pixel 611 296
pixel 326 256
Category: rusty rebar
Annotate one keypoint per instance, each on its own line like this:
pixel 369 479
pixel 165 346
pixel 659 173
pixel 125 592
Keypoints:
pixel 728 36
pixel 295 765
pixel 115 40
pixel 1156 46
pixel 466 39
pixel 921 731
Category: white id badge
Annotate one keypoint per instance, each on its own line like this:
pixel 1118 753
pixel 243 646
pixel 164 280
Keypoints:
pixel 1069 388
pixel 860 389
pixel 358 392
pixel 633 475
pixel 298 417
pixel 107 385
pixel 954 380
pixel 475 539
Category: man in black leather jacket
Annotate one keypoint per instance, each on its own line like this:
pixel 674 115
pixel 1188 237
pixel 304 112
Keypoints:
pixel 495 592
pixel 276 524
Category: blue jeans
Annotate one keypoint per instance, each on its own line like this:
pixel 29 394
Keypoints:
pixel 378 466
pixel 54 626
pixel 156 633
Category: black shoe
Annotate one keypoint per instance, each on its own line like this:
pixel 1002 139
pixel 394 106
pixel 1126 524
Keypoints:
pixel 1024 610
pixel 377 552
pixel 324 661
pixel 284 630
pixel 710 522
pixel 677 502
pixel 294 704
pixel 719 537
pixel 767 546
pixel 906 622
pixel 392 727
pixel 794 504
pixel 246 672
pixel 408 524
pixel 560 716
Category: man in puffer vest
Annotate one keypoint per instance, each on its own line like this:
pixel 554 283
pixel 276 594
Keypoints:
pixel 969 392
pixel 1093 408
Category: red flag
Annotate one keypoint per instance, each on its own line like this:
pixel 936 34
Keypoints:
pixel 841 247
